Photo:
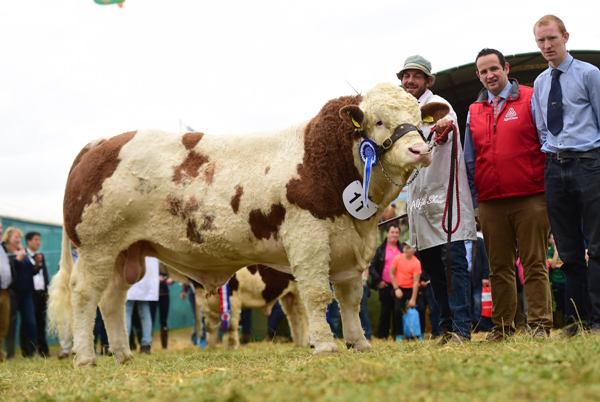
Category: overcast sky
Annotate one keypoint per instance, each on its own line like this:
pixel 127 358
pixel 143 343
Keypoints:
pixel 73 71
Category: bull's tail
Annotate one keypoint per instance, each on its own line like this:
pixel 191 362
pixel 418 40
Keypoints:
pixel 59 302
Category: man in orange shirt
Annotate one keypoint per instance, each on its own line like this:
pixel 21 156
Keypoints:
pixel 405 275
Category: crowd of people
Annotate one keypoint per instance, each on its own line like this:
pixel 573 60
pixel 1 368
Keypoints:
pixel 479 217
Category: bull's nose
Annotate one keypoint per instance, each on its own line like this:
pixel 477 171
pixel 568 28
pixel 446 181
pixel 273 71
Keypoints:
pixel 419 149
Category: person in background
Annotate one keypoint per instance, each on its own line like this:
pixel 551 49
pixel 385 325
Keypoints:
pixel 566 101
pixel 162 304
pixel 365 322
pixel 33 241
pixel 6 279
pixel 23 289
pixel 480 278
pixel 381 280
pixel 142 292
pixel 405 274
pixel 557 283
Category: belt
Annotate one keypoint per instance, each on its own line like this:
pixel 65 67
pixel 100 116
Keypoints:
pixel 561 155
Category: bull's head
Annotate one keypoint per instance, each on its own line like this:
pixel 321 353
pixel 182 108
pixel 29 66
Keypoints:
pixel 391 118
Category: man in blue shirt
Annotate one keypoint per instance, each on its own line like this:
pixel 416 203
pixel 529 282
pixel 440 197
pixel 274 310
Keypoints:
pixel 566 105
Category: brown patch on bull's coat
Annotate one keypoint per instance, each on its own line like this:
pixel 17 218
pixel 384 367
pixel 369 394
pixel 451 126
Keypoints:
pixel 185 211
pixel 207 223
pixel 267 169
pixel 189 140
pixel 275 282
pixel 89 171
pixel 189 168
pixel 235 200
pixel 264 226
pixel 209 173
pixel 192 232
pixel 234 284
pixel 328 164
pixel 252 268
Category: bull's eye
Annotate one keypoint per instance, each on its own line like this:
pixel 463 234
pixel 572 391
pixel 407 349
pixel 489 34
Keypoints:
pixel 379 123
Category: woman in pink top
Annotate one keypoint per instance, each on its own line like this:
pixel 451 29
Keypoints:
pixel 381 280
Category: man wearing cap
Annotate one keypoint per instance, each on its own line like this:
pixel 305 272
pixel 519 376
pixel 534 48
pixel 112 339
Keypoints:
pixel 506 173
pixel 566 101
pixel 427 202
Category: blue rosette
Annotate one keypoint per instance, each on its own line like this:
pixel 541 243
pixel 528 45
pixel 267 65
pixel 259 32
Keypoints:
pixel 368 154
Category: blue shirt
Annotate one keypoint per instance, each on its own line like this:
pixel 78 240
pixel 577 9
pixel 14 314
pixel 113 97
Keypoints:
pixel 580 85
pixel 469 151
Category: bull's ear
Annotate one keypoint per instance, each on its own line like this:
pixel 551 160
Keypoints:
pixel 432 112
pixel 352 115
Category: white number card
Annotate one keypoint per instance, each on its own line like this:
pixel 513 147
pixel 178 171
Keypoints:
pixel 354 202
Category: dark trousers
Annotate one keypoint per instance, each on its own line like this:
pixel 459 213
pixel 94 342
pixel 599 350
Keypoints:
pixel 365 323
pixel 162 305
pixel 386 299
pixel 454 306
pixel 28 330
pixel 40 305
pixel 100 332
pixel 558 293
pixel 277 315
pixel 434 311
pixel 573 198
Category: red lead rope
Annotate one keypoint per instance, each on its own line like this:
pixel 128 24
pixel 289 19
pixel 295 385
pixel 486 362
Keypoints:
pixel 453 176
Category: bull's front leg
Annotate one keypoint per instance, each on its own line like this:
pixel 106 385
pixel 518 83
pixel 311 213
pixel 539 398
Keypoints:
pixel 349 294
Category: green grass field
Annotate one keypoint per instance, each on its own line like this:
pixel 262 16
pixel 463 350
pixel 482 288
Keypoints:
pixel 520 369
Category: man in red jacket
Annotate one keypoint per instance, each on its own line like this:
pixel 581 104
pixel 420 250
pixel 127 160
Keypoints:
pixel 506 173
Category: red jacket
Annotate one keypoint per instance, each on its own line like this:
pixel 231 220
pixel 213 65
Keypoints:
pixel 508 159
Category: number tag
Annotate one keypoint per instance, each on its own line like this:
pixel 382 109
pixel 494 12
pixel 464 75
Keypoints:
pixel 354 202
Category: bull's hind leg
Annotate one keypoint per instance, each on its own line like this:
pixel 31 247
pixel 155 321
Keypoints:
pixel 295 311
pixel 88 282
pixel 349 294
pixel 235 302
pixel 112 306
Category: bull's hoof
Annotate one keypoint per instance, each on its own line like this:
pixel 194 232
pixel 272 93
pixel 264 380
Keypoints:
pixel 325 347
pixel 123 357
pixel 360 346
pixel 81 362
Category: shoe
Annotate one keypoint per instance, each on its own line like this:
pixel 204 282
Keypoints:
pixel 399 338
pixel 452 338
pixel 570 330
pixel 164 337
pixel 539 332
pixel 145 349
pixel 499 334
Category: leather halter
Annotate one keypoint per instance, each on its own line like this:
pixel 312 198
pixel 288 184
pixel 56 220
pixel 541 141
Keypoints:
pixel 398 133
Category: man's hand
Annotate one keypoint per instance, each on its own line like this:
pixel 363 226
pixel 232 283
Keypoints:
pixel 398 293
pixel 39 258
pixel 20 254
pixel 412 303
pixel 442 129
pixel 485 283
pixel 382 285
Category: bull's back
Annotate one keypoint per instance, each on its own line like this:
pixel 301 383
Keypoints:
pixel 194 188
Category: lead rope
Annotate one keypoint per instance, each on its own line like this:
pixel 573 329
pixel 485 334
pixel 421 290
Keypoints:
pixel 452 181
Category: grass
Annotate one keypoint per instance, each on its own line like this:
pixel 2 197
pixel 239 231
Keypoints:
pixel 520 369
